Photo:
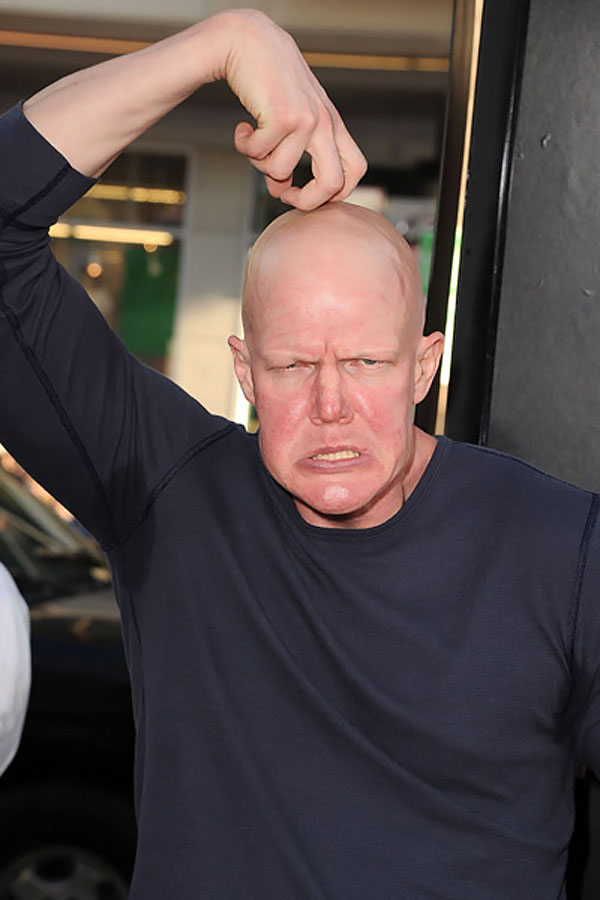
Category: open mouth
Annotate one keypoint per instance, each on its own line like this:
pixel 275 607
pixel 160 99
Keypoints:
pixel 337 455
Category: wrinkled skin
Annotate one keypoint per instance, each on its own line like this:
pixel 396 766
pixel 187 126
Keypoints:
pixel 334 360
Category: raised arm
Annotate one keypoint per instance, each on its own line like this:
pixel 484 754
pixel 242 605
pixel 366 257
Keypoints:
pixel 92 115
pixel 100 431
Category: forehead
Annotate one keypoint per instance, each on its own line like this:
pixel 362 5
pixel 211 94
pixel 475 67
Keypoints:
pixel 327 282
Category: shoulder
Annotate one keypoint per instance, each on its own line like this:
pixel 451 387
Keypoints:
pixel 229 459
pixel 512 484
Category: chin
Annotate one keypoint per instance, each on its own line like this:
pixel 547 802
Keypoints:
pixel 333 500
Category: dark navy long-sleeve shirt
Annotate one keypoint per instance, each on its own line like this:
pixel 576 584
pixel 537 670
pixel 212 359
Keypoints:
pixel 392 713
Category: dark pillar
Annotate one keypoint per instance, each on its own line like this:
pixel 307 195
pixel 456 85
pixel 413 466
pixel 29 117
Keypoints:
pixel 531 256
pixel 545 403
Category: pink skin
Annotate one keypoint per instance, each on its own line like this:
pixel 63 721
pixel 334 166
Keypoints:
pixel 334 360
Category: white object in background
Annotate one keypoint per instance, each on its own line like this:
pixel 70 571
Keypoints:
pixel 15 666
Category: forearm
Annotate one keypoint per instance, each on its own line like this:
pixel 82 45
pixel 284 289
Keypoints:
pixel 92 115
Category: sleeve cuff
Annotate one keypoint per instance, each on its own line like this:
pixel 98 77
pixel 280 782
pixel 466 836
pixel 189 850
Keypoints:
pixel 37 183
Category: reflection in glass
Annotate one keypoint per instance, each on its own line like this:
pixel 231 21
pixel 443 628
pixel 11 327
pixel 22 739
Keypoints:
pixel 122 242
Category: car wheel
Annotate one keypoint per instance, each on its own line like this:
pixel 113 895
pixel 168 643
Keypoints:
pixel 65 842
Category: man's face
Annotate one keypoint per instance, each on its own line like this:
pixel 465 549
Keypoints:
pixel 334 367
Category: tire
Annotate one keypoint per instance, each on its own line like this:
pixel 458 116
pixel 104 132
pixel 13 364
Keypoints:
pixel 65 842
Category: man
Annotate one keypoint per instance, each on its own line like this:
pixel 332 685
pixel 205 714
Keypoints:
pixel 363 660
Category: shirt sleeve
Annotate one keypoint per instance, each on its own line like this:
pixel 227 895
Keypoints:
pixel 585 699
pixel 97 428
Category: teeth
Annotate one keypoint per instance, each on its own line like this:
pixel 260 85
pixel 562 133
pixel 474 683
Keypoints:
pixel 339 454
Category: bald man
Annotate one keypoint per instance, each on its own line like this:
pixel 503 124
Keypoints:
pixel 363 659
pixel 335 360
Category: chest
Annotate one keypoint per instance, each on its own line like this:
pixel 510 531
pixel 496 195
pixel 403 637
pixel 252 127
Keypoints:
pixel 446 645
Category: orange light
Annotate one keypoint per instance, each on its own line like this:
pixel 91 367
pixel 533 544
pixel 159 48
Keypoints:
pixel 137 194
pixel 117 46
pixel 111 234
pixel 94 270
pixel 41 41
pixel 377 62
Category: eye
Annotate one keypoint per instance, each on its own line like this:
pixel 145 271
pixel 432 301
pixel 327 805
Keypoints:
pixel 296 366
pixel 365 364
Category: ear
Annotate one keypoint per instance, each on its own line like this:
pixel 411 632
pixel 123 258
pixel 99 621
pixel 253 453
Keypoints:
pixel 429 355
pixel 241 365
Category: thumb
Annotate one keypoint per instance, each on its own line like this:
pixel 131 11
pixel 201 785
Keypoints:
pixel 242 138
pixel 255 143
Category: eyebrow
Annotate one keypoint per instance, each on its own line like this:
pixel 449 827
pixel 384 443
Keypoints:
pixel 300 353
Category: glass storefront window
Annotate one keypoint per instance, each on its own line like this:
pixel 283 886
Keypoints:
pixel 122 241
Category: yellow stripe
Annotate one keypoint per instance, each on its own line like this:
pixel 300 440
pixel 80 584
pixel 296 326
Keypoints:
pixel 111 234
pixel 116 46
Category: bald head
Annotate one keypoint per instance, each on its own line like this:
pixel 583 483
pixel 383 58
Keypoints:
pixel 328 240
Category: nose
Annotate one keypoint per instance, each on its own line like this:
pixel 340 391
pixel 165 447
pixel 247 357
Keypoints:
pixel 330 401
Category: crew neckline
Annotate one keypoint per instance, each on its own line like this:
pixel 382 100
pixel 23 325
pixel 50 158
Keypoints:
pixel 286 507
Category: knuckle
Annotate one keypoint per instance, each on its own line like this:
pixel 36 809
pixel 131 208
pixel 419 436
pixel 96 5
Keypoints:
pixel 301 120
pixel 301 116
pixel 325 114
pixel 305 204
pixel 258 165
pixel 274 189
pixel 279 171
pixel 333 183
pixel 257 146
pixel 286 119
pixel 315 201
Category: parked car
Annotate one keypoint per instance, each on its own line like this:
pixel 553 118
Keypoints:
pixel 67 828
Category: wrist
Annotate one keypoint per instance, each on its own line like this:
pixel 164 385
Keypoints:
pixel 231 30
pixel 221 35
